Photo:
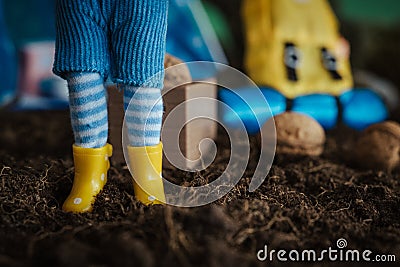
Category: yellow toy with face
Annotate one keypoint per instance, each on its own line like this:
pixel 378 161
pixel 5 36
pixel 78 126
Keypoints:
pixel 295 47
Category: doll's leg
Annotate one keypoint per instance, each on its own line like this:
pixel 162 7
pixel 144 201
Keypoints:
pixel 88 108
pixel 138 50
pixel 144 110
pixel 82 58
pixel 143 117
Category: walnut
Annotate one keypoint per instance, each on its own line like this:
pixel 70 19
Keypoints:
pixel 299 134
pixel 379 147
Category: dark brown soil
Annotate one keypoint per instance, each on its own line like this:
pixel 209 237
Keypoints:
pixel 305 203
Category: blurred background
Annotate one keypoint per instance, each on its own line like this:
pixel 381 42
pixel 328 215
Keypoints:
pixel 198 30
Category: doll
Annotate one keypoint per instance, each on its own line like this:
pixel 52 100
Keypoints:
pixel 123 40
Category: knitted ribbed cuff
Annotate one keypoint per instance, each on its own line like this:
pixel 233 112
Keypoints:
pixel 126 38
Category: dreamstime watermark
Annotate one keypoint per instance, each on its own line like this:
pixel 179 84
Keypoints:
pixel 230 119
pixel 338 253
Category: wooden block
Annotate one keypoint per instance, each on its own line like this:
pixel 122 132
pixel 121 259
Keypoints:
pixel 115 118
pixel 195 130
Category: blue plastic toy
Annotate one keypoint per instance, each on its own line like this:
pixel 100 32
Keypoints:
pixel 8 64
pixel 357 108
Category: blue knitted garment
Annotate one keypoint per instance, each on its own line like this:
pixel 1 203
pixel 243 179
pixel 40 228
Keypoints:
pixel 121 38
pixel 88 108
pixel 143 115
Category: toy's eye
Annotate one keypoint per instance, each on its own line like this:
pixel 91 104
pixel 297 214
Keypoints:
pixel 329 60
pixel 292 56
pixel 292 60
pixel 330 63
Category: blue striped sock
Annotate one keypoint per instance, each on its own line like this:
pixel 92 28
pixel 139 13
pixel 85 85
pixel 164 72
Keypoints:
pixel 88 107
pixel 143 115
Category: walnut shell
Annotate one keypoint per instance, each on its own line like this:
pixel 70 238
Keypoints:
pixel 299 134
pixel 379 147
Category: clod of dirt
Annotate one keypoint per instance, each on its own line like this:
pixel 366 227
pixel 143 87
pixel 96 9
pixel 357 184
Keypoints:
pixel 298 134
pixel 379 147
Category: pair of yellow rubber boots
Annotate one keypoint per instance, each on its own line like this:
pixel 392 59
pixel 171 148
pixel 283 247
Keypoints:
pixel 92 164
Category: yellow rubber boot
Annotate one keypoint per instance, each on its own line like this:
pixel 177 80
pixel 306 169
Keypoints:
pixel 146 167
pixel 91 166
